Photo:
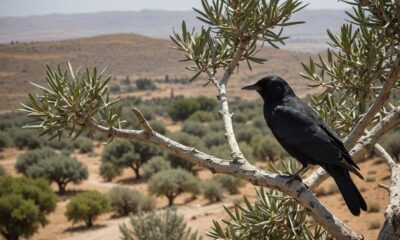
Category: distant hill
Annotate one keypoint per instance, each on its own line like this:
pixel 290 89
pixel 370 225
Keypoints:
pixel 306 37
pixel 126 55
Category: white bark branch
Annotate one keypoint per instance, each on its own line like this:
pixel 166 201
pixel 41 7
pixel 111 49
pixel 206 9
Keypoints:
pixel 364 145
pixel 245 171
pixel 391 227
pixel 142 120
pixel 379 102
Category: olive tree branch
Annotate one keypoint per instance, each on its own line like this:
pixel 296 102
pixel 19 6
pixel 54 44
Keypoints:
pixel 245 171
pixel 391 227
pixel 363 145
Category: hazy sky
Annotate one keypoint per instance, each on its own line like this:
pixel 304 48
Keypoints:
pixel 40 7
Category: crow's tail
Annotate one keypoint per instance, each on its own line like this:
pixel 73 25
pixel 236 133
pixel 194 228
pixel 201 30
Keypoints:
pixel 350 193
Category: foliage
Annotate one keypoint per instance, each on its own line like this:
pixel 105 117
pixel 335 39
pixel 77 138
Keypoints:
pixel 5 140
pixel 86 206
pixel 123 153
pixel 194 128
pixel 272 216
pixel 201 116
pixel 27 139
pixel 2 171
pixel 33 157
pixel 213 190
pixel 84 144
pixel 231 184
pixel 158 126
pixel 24 204
pixel 59 169
pixel 214 139
pixel 108 171
pixel 182 108
pixel 171 183
pixel 166 225
pixel 266 147
pixel 155 165
pixel 145 84
pixel 125 200
pixel 357 65
pixel 391 142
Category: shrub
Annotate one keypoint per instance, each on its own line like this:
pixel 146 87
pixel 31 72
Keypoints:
pixel 145 84
pixel 213 190
pixel 24 204
pixel 158 126
pixel 25 138
pixel 266 147
pixel 61 144
pixel 231 184
pixel 214 139
pixel 5 141
pixel 166 225
pixel 84 144
pixel 246 134
pixel 194 128
pixel 31 158
pixel 86 207
pixel 147 204
pixel 171 183
pixel 155 165
pixel 239 117
pixel 125 200
pixel 182 108
pixel 109 171
pixel 115 88
pixel 201 116
pixel 59 169
pixel 2 171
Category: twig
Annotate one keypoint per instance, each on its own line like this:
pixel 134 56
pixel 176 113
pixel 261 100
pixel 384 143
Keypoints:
pixel 383 186
pixel 142 120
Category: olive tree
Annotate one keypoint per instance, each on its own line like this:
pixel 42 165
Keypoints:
pixel 364 63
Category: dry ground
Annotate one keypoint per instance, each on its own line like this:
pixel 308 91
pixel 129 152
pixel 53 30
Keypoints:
pixel 199 213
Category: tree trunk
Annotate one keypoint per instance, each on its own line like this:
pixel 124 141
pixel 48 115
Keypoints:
pixel 136 169
pixel 170 200
pixel 61 187
pixel 89 223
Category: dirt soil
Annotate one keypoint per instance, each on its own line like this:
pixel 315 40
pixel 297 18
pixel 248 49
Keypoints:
pixel 199 213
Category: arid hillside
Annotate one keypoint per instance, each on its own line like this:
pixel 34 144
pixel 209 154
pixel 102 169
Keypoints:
pixel 125 55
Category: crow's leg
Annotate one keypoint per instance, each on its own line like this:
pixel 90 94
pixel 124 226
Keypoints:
pixel 296 175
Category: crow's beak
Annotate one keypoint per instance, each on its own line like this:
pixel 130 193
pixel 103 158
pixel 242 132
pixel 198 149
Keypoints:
pixel 253 86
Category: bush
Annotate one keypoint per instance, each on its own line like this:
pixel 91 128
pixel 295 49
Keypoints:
pixel 84 144
pixel 25 138
pixel 213 190
pixel 158 127
pixel 109 171
pixel 155 165
pixel 86 207
pixel 182 108
pixel 2 171
pixel 266 147
pixel 5 141
pixel 59 169
pixel 231 184
pixel 214 139
pixel 125 200
pixel 31 158
pixel 165 225
pixel 24 204
pixel 194 128
pixel 62 144
pixel 246 134
pixel 171 183
pixel 201 116
pixel 145 84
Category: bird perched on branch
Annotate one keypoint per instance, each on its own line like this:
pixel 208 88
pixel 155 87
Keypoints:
pixel 307 138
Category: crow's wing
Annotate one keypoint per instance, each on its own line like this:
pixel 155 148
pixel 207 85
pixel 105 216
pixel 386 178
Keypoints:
pixel 308 136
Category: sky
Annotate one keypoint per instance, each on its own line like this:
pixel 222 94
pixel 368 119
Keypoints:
pixel 20 8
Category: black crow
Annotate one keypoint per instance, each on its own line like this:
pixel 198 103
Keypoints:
pixel 307 138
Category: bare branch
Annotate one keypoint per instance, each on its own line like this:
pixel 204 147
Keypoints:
pixel 380 101
pixel 142 120
pixel 364 145
pixel 391 227
pixel 246 171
